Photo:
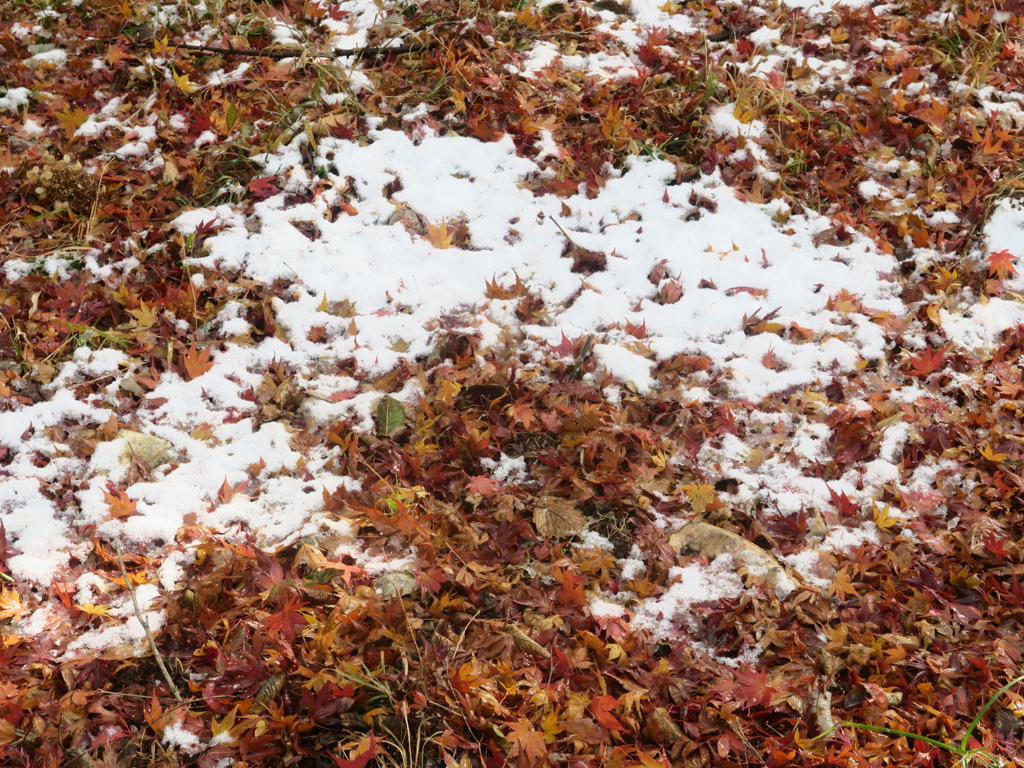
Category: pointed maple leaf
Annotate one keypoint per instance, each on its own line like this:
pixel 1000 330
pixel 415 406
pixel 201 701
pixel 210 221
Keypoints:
pixel 527 742
pixel 843 503
pixel 364 753
pixel 1001 264
pixel 195 362
pixel 263 187
pixel 289 621
pixel 71 119
pixel 10 604
pixel 440 236
pixel 769 360
pixel 751 687
pixel 565 347
pixel 482 485
pixel 882 518
pixel 522 413
pixel 997 546
pixel 497 291
pixel 120 505
pixel 842 586
pixel 658 273
pixel 669 293
pixel 929 361
pixel 601 708
pixel 183 84
pixel 636 331
pixel 226 492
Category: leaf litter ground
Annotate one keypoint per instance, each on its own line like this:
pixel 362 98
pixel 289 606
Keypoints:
pixel 395 376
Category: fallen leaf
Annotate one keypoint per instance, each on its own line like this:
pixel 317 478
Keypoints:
pixel 557 518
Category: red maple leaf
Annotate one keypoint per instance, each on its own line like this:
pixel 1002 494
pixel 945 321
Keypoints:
pixel 752 687
pixel 929 361
pixel 1000 264
pixel 289 621
pixel 482 485
pixel 263 187
pixel 843 503
pixel 564 348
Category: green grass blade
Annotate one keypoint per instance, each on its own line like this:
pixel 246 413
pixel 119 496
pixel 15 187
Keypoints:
pixel 981 713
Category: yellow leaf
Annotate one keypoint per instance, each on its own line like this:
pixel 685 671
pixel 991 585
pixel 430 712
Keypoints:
pixel 144 315
pixel 842 586
pixel 225 725
pixel 10 604
pixel 616 652
pixel 988 454
pixel 882 518
pixel 449 391
pixel 95 610
pixel 701 495
pixel 745 116
pixel 161 47
pixel 184 85
pixel 439 236
pixel 549 724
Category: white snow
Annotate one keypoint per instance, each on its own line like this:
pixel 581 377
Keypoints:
pixel 688 269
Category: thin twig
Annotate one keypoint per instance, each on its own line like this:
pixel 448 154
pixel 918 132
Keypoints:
pixel 369 52
pixel 145 627
pixel 572 242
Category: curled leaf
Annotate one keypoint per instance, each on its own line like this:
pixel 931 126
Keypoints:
pixel 268 691
pixel 524 642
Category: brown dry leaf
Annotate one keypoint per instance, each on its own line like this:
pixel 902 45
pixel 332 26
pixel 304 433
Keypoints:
pixel 710 541
pixel 396 584
pixel 268 691
pixel 311 557
pixel 557 517
pixel 171 171
pixel 154 451
pixel 524 642
pixel 660 727
pixel 820 702
pixel 120 505
pixel 328 123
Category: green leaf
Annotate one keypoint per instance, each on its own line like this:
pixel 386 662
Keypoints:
pixel 390 416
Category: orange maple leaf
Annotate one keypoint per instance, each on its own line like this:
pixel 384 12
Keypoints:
pixel 482 485
pixel 601 708
pixel 1000 264
pixel 121 506
pixel 440 236
pixel 842 586
pixel 196 362
pixel 527 742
